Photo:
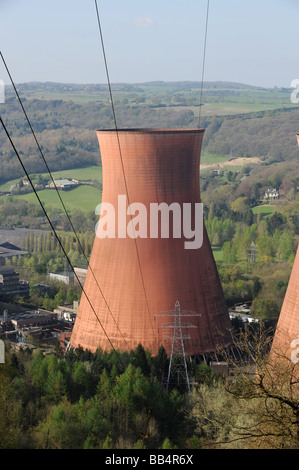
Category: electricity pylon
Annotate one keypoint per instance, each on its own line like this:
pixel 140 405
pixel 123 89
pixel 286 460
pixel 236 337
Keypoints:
pixel 252 253
pixel 177 371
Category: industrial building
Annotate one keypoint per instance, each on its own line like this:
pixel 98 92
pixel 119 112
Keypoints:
pixel 9 281
pixel 132 280
pixel 22 326
pixel 8 251
pixel 63 184
pixel 67 312
pixel 65 277
pixel 31 318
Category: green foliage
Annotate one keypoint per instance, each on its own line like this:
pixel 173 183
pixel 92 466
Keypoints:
pixel 229 253
pixel 10 429
pixel 167 444
pixel 265 309
pixel 81 400
pixel 204 374
pixel 241 205
pixel 223 230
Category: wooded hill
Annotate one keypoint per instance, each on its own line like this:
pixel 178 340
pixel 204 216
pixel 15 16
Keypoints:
pixel 66 127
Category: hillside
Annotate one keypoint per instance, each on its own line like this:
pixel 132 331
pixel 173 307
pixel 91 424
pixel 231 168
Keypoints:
pixel 240 121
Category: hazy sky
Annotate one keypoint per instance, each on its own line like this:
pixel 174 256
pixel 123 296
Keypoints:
pixel 249 41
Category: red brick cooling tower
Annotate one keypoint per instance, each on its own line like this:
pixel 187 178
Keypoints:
pixel 141 277
pixel 286 339
pixel 285 346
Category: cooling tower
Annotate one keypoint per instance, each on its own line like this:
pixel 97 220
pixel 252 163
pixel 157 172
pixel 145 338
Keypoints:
pixel 286 339
pixel 131 280
pixel 285 346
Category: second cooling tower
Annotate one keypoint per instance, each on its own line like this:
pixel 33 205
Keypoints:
pixel 132 279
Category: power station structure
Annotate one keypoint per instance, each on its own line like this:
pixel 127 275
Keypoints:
pixel 286 338
pixel 285 346
pixel 137 270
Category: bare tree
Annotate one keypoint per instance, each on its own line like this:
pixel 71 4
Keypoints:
pixel 257 405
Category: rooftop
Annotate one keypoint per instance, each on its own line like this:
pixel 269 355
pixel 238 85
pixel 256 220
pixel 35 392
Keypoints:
pixel 6 269
pixel 7 250
pixel 63 182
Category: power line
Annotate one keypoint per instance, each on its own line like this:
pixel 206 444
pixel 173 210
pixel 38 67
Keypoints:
pixel 54 184
pixel 52 227
pixel 203 60
pixel 57 191
pixel 69 261
pixel 120 153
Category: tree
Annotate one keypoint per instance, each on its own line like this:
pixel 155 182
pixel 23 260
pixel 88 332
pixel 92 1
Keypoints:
pixel 48 304
pixel 56 386
pixel 241 205
pixel 81 381
pixel 141 360
pixel 229 253
pixel 271 392
pixel 256 287
pixel 259 408
pixel 9 426
pixel 104 388
pixel 265 246
pixel 59 297
pixel 264 309
pixel 276 221
pixel 38 371
pixel 161 364
pixel 167 444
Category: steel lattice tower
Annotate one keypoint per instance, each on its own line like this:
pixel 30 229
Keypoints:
pixel 177 371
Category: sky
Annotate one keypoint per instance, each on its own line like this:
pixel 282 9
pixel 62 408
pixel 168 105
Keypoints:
pixel 255 42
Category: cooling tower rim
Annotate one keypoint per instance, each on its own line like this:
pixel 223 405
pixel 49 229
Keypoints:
pixel 153 130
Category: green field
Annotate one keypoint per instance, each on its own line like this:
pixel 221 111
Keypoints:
pixel 82 174
pixel 212 158
pixel 264 210
pixel 75 97
pixel 216 102
pixel 217 252
pixel 84 198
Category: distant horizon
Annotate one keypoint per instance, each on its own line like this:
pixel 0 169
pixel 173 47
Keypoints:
pixel 249 42
pixel 228 82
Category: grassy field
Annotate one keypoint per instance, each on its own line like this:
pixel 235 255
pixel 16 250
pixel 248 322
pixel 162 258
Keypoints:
pixel 239 107
pixel 231 101
pixel 264 210
pixel 217 252
pixel 212 158
pixel 84 198
pixel 75 97
pixel 82 174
